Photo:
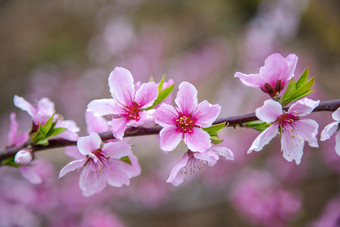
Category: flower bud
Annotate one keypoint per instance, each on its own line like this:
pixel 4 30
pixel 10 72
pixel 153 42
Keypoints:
pixel 23 157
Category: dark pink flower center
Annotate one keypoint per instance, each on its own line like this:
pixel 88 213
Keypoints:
pixel 273 90
pixel 287 118
pixel 102 158
pixel 193 165
pixel 185 123
pixel 132 112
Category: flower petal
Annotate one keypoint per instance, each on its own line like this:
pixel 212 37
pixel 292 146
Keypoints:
pixel 186 98
pixel 292 145
pixel 118 126
pixel 88 144
pixel 73 152
pixel 269 112
pixel 303 107
pixel 44 110
pixel 337 143
pixel 72 166
pixel 251 80
pixel 336 115
pixel 166 115
pixel 170 138
pixel 175 177
pixel 275 68
pixel 21 103
pixel 209 156
pixel 101 107
pixel 146 94
pixel 30 174
pixel 329 130
pixel 264 138
pixel 116 150
pixel 291 61
pixel 206 114
pixel 198 140
pixel 91 182
pixel 225 152
pixel 95 124
pixel 308 130
pixel 121 86
pixel 118 174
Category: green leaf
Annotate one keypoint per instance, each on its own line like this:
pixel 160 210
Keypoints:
pixel 215 139
pixel 47 126
pixel 42 141
pixel 257 125
pixel 10 162
pixel 126 159
pixel 55 131
pixel 161 96
pixel 303 78
pixel 160 86
pixel 214 128
pixel 291 88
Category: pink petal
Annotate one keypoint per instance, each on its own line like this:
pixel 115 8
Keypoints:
pixel 73 152
pixel 175 177
pixel 44 110
pixel 336 115
pixel 225 152
pixel 198 140
pixel 24 105
pixel 95 124
pixel 117 174
pixel 337 143
pixel 308 130
pixel 72 166
pixel 251 80
pixel 292 145
pixel 121 86
pixel 329 130
pixel 291 61
pixel 206 114
pixel 13 131
pixel 166 115
pixel 186 98
pixel 101 107
pixel 91 182
pixel 146 94
pixel 275 68
pixel 264 138
pixel 88 144
pixel 116 150
pixel 30 174
pixel 303 107
pixel 269 112
pixel 118 126
pixel 71 132
pixel 170 138
pixel 209 156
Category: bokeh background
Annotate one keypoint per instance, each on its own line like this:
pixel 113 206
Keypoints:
pixel 66 49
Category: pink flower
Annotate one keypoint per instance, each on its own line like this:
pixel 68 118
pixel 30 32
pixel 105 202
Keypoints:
pixel 332 128
pixel 15 138
pixel 42 112
pixel 193 162
pixel 23 157
pixel 127 104
pixel 294 131
pixel 102 165
pixel 273 75
pixel 186 121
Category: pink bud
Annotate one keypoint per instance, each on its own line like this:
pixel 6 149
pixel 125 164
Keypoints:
pixel 23 157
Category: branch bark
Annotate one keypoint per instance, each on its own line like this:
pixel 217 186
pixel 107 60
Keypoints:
pixel 232 121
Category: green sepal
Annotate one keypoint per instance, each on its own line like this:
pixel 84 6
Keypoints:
pixel 162 93
pixel 213 132
pixel 214 128
pixel 9 162
pixel 257 125
pixel 40 137
pixel 126 159
pixel 298 90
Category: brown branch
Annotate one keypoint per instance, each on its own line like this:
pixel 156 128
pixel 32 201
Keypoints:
pixel 232 121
